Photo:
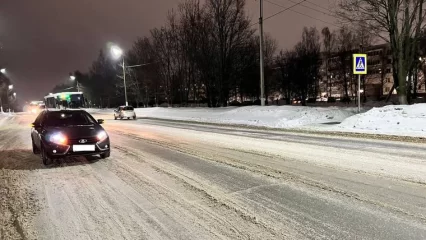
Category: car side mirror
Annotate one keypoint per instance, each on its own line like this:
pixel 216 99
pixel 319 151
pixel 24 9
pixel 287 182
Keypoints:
pixel 101 121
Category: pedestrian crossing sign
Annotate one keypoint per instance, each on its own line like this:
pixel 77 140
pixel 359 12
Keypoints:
pixel 360 63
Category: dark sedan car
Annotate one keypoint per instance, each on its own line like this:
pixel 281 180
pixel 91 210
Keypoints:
pixel 57 134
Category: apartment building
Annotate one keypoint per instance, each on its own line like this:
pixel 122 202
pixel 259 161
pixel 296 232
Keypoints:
pixel 337 69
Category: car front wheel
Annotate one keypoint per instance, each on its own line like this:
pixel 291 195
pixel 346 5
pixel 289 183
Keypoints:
pixel 105 155
pixel 44 156
pixel 35 149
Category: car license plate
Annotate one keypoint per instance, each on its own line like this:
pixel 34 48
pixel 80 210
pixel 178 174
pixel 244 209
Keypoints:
pixel 83 148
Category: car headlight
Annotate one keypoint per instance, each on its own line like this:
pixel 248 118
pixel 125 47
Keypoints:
pixel 102 136
pixel 58 138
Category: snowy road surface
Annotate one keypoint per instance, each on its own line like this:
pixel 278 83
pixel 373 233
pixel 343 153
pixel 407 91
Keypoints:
pixel 168 180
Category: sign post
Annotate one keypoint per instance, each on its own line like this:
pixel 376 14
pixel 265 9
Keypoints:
pixel 359 68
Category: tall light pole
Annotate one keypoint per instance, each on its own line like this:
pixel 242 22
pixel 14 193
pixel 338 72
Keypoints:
pixel 262 75
pixel 73 78
pixel 116 53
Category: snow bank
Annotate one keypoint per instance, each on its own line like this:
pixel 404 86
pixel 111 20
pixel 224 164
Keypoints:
pixel 3 117
pixel 270 116
pixel 402 120
pixel 97 110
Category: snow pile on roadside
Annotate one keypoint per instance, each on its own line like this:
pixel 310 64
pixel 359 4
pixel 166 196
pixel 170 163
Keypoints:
pixel 97 110
pixel 3 117
pixel 270 116
pixel 403 120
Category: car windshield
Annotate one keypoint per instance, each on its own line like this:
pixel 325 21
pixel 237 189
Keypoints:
pixel 128 108
pixel 68 119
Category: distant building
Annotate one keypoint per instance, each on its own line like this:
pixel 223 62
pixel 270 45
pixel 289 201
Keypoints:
pixel 378 81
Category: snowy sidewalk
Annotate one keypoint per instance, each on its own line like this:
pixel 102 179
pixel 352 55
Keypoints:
pixel 270 116
pixel 400 120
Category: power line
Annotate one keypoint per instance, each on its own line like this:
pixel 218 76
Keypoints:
pixel 302 13
pixel 275 14
pixel 292 6
pixel 317 5
pixel 325 13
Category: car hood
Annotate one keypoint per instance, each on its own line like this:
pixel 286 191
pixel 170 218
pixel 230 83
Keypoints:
pixel 76 132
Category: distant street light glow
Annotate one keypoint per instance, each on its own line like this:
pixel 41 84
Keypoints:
pixel 14 94
pixel 72 78
pixel 116 52
pixel 10 87
pixel 3 70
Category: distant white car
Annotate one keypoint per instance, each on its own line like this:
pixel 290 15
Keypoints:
pixel 124 112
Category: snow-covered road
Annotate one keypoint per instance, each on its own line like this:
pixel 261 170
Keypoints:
pixel 170 180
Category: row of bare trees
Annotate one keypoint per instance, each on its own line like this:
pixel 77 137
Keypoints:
pixel 204 53
pixel 207 52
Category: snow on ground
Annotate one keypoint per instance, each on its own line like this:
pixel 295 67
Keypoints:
pixel 402 120
pixel 3 117
pixel 98 111
pixel 270 116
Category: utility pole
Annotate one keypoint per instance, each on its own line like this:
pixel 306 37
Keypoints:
pixel 78 87
pixel 262 75
pixel 124 79
pixel 359 85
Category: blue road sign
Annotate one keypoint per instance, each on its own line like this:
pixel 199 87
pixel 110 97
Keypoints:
pixel 360 63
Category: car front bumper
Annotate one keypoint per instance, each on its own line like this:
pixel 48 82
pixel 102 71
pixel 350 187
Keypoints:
pixel 58 151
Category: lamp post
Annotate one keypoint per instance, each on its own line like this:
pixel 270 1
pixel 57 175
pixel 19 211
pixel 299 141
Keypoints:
pixel 262 74
pixel 73 78
pixel 3 70
pixel 116 53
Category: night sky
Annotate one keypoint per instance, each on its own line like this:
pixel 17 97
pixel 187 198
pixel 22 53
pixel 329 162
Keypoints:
pixel 43 40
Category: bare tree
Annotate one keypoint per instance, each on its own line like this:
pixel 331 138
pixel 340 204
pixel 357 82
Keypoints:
pixel 167 49
pixel 191 22
pixel 285 62
pixel 308 64
pixel 230 31
pixel 345 44
pixel 146 76
pixel 401 21
pixel 270 48
pixel 329 41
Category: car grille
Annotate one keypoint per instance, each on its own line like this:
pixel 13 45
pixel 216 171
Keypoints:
pixel 91 140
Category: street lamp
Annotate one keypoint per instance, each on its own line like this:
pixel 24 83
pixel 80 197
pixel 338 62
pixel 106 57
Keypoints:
pixel 10 87
pixel 3 70
pixel 73 78
pixel 117 53
pixel 14 94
